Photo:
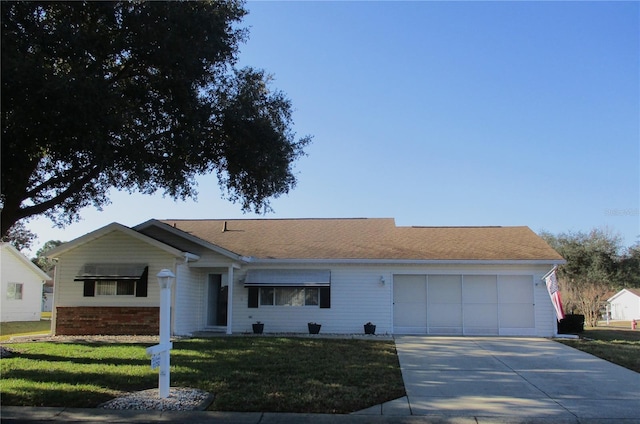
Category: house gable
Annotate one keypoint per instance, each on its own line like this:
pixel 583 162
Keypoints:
pixel 24 262
pixel 625 292
pixel 101 232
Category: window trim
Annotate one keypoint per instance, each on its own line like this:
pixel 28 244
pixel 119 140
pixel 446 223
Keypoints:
pixel 274 297
pixel 118 282
pixel 15 291
pixel 253 298
pixel 140 284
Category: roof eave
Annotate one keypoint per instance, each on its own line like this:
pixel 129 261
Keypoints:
pixel 298 261
pixel 177 232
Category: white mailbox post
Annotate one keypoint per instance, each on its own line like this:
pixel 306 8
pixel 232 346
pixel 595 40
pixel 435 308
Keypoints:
pixel 160 352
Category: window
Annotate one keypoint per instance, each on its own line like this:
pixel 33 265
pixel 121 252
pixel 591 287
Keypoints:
pixel 289 296
pixel 14 291
pixel 116 288
pixel 114 280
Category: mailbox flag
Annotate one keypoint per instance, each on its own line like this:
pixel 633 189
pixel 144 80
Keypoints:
pixel 554 293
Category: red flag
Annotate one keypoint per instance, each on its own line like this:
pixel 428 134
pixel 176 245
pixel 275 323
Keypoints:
pixel 554 293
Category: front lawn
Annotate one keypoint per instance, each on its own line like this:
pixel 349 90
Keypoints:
pixel 24 328
pixel 619 345
pixel 266 374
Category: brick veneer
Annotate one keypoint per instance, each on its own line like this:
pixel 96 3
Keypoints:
pixel 107 320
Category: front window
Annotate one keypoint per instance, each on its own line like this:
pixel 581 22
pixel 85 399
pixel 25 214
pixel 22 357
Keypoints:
pixel 289 296
pixel 116 288
pixel 14 291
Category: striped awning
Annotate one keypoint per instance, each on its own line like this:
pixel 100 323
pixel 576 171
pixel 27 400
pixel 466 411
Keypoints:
pixel 288 278
pixel 110 271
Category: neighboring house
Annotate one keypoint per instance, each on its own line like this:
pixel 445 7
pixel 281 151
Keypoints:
pixel 340 273
pixel 47 297
pixel 22 280
pixel 625 305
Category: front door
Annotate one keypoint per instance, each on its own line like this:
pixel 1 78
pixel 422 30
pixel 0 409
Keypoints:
pixel 216 301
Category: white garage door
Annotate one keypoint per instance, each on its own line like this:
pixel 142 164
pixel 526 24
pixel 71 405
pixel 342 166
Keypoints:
pixel 463 304
pixel 515 297
pixel 444 304
pixel 409 300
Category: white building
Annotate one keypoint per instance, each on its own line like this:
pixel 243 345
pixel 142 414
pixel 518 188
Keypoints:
pixel 625 305
pixel 340 273
pixel 21 286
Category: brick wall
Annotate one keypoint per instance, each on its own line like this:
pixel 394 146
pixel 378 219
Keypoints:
pixel 107 321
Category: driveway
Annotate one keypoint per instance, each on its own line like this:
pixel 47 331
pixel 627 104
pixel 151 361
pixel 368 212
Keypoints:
pixel 514 377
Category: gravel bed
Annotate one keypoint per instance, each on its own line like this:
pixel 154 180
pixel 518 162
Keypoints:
pixel 179 399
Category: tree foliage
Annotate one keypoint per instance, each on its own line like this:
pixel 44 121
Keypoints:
pixel 19 236
pixel 137 96
pixel 41 260
pixel 596 267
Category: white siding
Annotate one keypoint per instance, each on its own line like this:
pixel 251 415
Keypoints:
pixel 357 297
pixel 14 270
pixel 189 300
pixel 546 322
pixel 114 247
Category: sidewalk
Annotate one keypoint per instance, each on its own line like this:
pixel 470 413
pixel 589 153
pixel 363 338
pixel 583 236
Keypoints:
pixel 16 414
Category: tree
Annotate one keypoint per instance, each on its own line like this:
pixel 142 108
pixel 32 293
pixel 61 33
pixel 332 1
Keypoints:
pixel 629 267
pixel 591 271
pixel 19 236
pixel 41 259
pixel 137 96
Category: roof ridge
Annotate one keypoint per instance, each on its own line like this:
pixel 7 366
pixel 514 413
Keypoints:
pixel 270 219
pixel 460 226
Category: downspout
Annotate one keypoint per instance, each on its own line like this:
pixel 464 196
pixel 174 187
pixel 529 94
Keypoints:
pixel 174 291
pixel 230 300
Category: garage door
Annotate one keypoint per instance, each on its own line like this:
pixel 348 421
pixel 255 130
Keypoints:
pixel 409 300
pixel 517 309
pixel 463 304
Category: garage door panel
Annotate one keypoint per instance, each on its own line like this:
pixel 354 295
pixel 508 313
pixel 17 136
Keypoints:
pixel 409 288
pixel 409 300
pixel 444 315
pixel 515 289
pixel 481 315
pixel 444 289
pixel 410 315
pixel 517 315
pixel 479 289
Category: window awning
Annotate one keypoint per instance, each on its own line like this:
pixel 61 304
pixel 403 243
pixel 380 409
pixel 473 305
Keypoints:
pixel 111 271
pixel 288 278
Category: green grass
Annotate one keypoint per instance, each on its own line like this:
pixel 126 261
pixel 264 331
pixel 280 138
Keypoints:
pixel 23 328
pixel 244 373
pixel 619 345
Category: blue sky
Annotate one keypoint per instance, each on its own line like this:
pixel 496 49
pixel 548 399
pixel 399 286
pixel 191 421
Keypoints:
pixel 443 114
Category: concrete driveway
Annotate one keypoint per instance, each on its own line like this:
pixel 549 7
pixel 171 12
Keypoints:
pixel 514 377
